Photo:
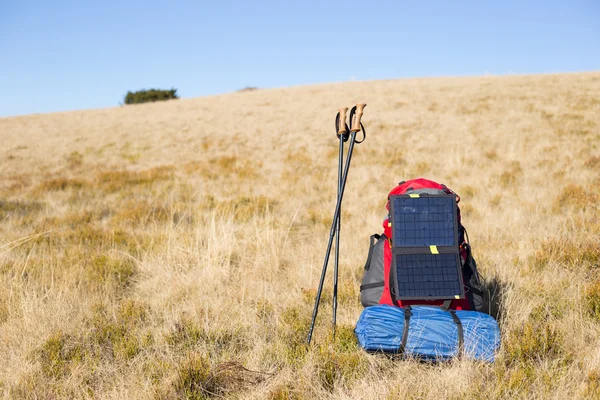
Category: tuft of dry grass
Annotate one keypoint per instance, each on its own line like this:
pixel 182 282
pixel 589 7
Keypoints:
pixel 113 181
pixel 173 250
pixel 61 184
pixel 575 197
pixel 592 300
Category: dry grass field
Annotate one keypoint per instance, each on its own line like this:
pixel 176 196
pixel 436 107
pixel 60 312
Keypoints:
pixel 173 250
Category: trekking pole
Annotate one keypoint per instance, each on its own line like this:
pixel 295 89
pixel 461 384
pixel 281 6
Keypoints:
pixel 355 126
pixel 342 134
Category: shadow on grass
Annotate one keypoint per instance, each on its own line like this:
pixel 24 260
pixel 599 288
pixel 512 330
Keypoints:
pixel 495 290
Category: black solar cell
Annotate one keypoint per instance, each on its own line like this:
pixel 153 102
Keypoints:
pixel 424 221
pixel 422 276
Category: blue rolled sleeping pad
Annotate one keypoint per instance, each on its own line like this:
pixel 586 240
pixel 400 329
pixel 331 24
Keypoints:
pixel 433 333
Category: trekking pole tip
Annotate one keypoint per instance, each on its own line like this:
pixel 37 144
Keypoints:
pixel 355 123
pixel 342 127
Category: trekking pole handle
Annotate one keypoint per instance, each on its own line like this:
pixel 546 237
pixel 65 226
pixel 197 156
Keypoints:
pixel 342 127
pixel 355 123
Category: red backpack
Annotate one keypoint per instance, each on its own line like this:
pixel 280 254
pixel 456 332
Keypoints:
pixel 376 289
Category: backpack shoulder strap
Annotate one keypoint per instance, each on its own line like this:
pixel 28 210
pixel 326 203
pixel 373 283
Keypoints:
pixel 372 240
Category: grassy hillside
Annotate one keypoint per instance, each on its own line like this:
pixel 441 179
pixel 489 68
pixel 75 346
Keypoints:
pixel 173 250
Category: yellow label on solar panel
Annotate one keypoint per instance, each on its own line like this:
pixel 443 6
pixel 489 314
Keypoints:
pixel 414 196
pixel 434 250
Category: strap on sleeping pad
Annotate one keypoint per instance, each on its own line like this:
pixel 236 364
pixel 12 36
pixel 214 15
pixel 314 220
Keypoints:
pixel 407 315
pixel 460 333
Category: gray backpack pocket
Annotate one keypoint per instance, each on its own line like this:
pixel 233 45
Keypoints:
pixel 371 287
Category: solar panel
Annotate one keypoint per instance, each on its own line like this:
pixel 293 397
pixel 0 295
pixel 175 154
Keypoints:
pixel 426 261
pixel 424 221
pixel 427 276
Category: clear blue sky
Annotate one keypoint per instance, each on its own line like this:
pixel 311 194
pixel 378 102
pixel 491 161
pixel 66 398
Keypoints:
pixel 64 55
